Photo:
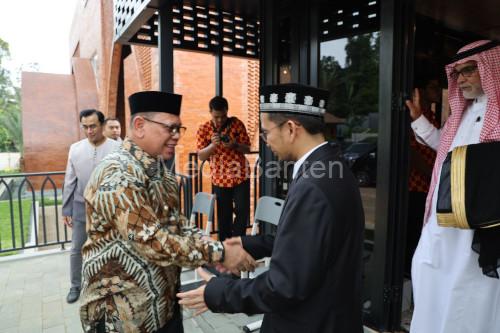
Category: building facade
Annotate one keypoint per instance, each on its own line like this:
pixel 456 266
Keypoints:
pixel 105 73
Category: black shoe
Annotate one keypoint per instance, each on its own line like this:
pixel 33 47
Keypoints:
pixel 73 295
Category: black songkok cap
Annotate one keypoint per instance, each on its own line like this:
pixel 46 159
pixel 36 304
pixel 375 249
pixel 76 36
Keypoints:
pixel 155 101
pixel 293 98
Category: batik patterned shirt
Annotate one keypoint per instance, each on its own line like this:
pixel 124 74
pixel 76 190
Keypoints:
pixel 137 243
pixel 228 167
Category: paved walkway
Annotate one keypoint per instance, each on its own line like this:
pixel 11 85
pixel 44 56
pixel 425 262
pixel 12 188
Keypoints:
pixel 33 292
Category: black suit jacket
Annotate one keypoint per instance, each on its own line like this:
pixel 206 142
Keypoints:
pixel 314 279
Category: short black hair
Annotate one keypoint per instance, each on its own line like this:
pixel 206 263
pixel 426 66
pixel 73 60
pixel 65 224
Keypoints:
pixel 312 124
pixel 88 112
pixel 110 119
pixel 218 103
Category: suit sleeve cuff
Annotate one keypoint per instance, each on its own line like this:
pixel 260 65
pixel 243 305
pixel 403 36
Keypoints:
pixel 214 293
pixel 245 242
pixel 67 211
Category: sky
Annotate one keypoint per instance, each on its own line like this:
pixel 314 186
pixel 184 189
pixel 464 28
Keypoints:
pixel 334 48
pixel 37 31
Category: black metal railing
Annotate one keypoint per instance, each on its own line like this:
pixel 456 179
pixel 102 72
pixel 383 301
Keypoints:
pixel 30 210
pixel 198 177
pixel 21 226
pixel 30 206
pixel 185 193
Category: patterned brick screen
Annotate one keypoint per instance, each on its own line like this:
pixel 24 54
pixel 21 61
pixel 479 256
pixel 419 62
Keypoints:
pixel 125 11
pixel 194 28
pixel 348 18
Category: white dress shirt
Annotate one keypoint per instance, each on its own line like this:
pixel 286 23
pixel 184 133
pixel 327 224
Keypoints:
pixel 300 161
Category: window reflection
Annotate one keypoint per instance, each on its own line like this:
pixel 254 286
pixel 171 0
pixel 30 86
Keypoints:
pixel 349 70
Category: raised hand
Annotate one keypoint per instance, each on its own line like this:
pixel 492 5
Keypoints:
pixel 414 105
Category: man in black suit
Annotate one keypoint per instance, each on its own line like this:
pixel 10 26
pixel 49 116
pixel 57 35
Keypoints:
pixel 314 279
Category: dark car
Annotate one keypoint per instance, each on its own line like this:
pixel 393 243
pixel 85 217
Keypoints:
pixel 361 157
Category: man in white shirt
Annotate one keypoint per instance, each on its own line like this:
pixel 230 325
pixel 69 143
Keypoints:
pixel 83 157
pixel 451 292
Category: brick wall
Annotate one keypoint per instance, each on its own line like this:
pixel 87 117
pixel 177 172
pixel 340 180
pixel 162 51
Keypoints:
pixel 50 123
pixel 194 78
pixel 91 34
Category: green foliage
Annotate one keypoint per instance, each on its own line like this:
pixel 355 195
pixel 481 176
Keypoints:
pixel 10 111
pixel 6 223
pixel 6 144
pixel 9 171
pixel 354 89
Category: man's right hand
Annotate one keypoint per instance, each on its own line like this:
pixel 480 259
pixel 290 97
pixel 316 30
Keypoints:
pixel 68 221
pixel 414 105
pixel 236 259
pixel 216 139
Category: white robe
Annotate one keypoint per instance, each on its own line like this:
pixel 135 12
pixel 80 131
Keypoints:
pixel 450 291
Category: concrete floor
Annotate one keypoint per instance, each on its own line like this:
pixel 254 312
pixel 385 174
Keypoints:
pixel 33 299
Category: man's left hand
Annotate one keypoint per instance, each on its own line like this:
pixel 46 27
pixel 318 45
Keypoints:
pixel 194 299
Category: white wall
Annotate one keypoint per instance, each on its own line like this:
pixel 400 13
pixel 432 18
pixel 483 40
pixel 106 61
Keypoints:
pixel 9 160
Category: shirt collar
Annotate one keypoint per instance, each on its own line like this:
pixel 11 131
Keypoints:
pixel 94 146
pixel 300 161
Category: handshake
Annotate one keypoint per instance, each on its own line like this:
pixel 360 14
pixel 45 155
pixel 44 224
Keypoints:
pixel 236 259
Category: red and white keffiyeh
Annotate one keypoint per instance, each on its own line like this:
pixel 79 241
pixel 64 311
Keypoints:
pixel 488 63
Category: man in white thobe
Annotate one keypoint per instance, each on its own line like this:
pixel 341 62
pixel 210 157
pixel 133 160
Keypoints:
pixel 451 293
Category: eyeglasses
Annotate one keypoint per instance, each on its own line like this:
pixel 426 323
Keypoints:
pixel 466 72
pixel 264 133
pixel 171 129
pixel 88 127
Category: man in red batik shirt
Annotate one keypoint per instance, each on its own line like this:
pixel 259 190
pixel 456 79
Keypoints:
pixel 224 142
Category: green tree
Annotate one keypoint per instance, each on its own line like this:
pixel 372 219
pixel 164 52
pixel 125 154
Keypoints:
pixel 10 111
pixel 354 89
pixel 331 78
pixel 6 143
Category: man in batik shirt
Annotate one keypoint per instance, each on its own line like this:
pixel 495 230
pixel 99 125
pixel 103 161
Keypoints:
pixel 138 240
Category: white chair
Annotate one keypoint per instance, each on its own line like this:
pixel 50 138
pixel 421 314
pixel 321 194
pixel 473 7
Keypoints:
pixel 203 203
pixel 268 210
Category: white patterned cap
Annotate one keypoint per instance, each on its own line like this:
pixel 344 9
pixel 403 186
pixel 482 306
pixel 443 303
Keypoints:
pixel 293 98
